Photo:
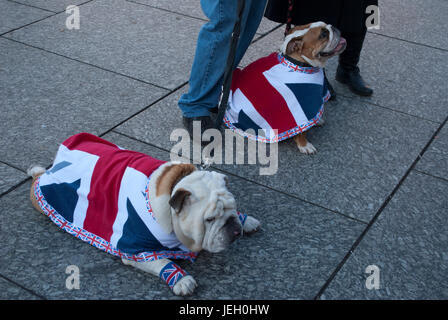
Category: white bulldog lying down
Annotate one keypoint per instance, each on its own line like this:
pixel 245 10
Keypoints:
pixel 143 210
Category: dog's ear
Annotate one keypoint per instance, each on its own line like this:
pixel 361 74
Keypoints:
pixel 178 199
pixel 294 46
pixel 171 175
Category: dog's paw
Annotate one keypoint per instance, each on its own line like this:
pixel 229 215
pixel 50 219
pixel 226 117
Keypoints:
pixel 185 286
pixel 307 149
pixel 251 225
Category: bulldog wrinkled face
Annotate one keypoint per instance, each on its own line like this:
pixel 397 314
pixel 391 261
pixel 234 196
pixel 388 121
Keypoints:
pixel 313 43
pixel 204 212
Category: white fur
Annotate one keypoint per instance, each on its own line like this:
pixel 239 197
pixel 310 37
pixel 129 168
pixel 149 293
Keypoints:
pixel 251 225
pixel 307 149
pixel 209 197
pixel 183 287
pixel 160 205
pixel 35 171
pixel 301 33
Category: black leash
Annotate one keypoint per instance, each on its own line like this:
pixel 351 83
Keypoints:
pixel 289 16
pixel 229 65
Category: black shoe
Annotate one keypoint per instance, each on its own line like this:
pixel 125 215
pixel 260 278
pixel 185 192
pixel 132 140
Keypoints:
pixel 353 79
pixel 206 123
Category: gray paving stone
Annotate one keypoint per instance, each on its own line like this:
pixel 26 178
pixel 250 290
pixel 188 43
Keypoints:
pixel 9 177
pixel 405 77
pixel 298 242
pixel 263 47
pixel 52 5
pixel 435 159
pixel 407 243
pixel 46 97
pixel 14 15
pixel 415 20
pixel 352 173
pixel 11 291
pixel 192 8
pixel 124 37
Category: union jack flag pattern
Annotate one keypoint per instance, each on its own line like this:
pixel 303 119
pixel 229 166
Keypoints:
pixel 172 273
pixel 273 99
pixel 98 192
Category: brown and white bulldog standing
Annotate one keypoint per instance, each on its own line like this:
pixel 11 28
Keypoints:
pixel 282 95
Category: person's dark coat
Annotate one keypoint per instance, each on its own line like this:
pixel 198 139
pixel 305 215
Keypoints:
pixel 346 15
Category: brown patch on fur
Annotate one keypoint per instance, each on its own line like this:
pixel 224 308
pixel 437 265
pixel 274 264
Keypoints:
pixel 171 176
pixel 300 139
pixel 308 45
pixel 32 197
pixel 177 201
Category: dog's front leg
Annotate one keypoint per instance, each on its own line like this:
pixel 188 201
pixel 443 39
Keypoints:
pixel 303 144
pixel 177 279
pixel 249 223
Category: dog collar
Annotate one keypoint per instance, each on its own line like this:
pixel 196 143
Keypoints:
pixel 297 62
pixel 297 65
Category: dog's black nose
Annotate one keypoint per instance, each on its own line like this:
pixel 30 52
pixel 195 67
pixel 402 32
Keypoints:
pixel 236 234
pixel 233 228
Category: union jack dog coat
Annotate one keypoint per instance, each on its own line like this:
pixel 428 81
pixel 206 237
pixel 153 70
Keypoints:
pixel 98 192
pixel 273 93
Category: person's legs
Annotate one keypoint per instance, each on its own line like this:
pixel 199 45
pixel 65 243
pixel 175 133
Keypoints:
pixel 212 50
pixel 209 62
pixel 348 70
pixel 253 14
pixel 349 59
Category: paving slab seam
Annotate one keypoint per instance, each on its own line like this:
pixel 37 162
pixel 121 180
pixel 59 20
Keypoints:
pixel 431 175
pixel 293 196
pixel 262 35
pixel 193 17
pixel 380 210
pixel 22 287
pixel 144 109
pixel 52 15
pixel 29 5
pixel 201 19
pixel 167 10
pixel 14 187
pixel 254 182
pixel 28 24
pixel 409 41
pixel 86 63
pixel 12 166
pixel 387 108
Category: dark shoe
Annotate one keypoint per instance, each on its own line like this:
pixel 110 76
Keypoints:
pixel 353 79
pixel 206 123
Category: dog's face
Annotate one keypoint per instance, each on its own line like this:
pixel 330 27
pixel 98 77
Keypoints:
pixel 313 43
pixel 204 212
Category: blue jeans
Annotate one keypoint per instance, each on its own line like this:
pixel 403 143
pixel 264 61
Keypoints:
pixel 212 49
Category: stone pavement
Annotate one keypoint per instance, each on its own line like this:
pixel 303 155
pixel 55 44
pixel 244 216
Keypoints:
pixel 374 194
